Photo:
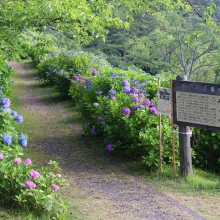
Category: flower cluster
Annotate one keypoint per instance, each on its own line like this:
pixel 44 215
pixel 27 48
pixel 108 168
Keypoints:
pixel 7 139
pixel 22 140
pixel 109 147
pixel 126 111
pixel 5 102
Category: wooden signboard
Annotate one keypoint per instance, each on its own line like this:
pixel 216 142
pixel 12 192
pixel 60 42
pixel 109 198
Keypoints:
pixel 196 104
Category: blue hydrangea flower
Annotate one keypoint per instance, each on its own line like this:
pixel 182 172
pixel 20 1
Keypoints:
pixel 19 118
pixel 99 91
pixel 14 113
pixel 112 92
pixel 5 102
pixel 22 140
pixel 113 75
pixel 8 110
pixel 7 139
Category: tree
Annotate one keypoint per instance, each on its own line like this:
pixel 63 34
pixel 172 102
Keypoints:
pixel 81 19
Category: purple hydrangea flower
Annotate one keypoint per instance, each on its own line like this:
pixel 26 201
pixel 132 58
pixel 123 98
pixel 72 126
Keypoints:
pixel 79 81
pixel 34 174
pixel 141 106
pixel 94 72
pixel 30 185
pixel 113 97
pixel 135 99
pixel 103 123
pixel 134 90
pixel 87 80
pixel 5 102
pixel 153 110
pixel 125 83
pixel 22 140
pixel 109 147
pixel 85 87
pixel 100 118
pixel 19 118
pixel 126 89
pixel 55 187
pixel 135 108
pixel 112 92
pixel 75 77
pixel 7 139
pixel 126 111
pixel 93 131
pixel 146 102
pixel 141 95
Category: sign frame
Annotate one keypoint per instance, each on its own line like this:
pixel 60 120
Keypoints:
pixel 211 89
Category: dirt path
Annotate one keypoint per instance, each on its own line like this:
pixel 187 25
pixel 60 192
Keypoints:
pixel 97 188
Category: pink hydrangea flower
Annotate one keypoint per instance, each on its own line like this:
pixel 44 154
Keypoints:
pixel 1 156
pixel 34 174
pixel 28 161
pixel 55 187
pixel 17 160
pixel 30 185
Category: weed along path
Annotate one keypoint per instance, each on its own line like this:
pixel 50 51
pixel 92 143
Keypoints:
pixel 97 188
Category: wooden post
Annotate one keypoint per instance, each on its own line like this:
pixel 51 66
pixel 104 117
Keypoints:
pixel 184 141
pixel 160 135
pixel 172 128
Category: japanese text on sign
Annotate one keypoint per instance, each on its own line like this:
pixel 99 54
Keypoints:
pixel 198 108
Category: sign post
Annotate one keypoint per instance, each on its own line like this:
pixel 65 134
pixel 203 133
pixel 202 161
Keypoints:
pixel 185 145
pixel 195 104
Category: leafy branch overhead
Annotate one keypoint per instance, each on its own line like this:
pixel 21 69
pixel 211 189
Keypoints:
pixel 81 19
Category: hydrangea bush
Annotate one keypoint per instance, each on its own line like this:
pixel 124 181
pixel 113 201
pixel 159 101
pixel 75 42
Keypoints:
pixel 20 182
pixel 120 106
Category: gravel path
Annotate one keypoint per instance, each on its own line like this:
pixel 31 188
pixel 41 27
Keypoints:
pixel 109 193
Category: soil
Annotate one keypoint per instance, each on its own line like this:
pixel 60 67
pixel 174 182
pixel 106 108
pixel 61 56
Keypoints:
pixel 97 186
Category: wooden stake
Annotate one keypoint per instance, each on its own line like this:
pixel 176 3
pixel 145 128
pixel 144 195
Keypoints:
pixel 172 128
pixel 160 135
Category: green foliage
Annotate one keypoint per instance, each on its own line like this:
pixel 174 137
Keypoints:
pixel 206 147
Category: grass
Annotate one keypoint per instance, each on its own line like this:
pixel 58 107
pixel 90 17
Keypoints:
pixel 200 192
